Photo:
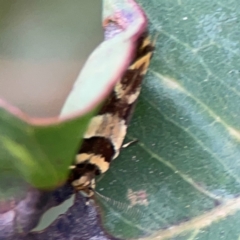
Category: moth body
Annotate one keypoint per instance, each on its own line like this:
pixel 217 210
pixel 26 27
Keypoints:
pixel 106 132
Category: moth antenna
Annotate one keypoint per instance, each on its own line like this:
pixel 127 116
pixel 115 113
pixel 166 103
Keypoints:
pixel 126 208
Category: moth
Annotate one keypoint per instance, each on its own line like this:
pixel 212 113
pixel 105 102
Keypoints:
pixel 105 134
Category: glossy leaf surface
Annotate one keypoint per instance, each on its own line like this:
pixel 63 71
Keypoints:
pixel 181 180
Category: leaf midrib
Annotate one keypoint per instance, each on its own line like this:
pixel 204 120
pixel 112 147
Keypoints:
pixel 230 207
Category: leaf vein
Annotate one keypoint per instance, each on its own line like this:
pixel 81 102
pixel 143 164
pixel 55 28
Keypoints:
pixel 185 177
pixel 214 116
pixel 230 207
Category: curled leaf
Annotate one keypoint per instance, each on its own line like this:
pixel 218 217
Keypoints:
pixel 42 149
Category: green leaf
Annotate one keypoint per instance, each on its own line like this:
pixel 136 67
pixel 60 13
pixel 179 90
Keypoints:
pixel 41 65
pixel 182 179
pixel 39 151
pixel 41 154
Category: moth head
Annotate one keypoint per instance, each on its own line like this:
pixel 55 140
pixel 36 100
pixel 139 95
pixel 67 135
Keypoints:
pixel 84 178
pixel 85 184
pixel 87 167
